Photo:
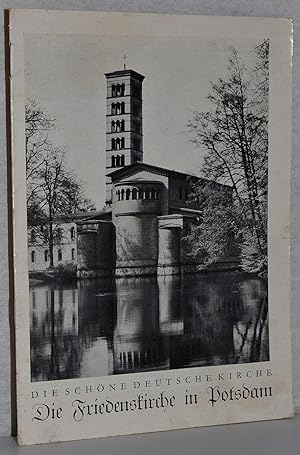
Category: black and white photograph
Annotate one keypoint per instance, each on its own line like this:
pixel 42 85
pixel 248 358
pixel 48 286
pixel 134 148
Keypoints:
pixel 150 186
pixel 147 203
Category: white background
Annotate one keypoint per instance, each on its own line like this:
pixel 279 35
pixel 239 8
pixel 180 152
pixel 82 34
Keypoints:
pixel 285 8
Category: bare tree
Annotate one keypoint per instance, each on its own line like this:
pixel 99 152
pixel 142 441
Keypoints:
pixel 53 190
pixel 59 194
pixel 38 124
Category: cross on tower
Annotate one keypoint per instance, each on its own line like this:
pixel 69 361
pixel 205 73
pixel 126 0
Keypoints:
pixel 124 58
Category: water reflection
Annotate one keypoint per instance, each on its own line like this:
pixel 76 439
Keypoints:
pixel 103 327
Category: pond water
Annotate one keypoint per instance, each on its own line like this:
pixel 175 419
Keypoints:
pixel 102 327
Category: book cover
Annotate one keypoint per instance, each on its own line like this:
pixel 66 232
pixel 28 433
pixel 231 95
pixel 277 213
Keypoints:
pixel 151 185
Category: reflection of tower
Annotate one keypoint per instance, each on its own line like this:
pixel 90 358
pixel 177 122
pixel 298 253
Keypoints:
pixel 138 345
pixel 124 129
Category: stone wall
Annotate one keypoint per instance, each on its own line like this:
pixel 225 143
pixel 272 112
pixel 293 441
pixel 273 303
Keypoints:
pixel 95 246
pixel 136 245
pixel 38 248
pixel 136 208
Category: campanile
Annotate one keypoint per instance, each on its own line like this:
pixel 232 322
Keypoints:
pixel 124 122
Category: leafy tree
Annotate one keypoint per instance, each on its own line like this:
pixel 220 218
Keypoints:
pixel 234 137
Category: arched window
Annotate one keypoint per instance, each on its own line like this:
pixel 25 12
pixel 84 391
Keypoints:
pixel 118 161
pixel 153 194
pixel 119 126
pixel 123 108
pixel 59 255
pixel 134 193
pixel 113 126
pixel 120 89
pixel 46 255
pixel 73 253
pixel 33 256
pixel 122 195
pixel 113 144
pixel 113 161
pixel 141 193
pixel 72 233
pixel 118 195
pixel 118 108
pixel 113 90
pixel 127 194
pixel 119 143
pixel 147 193
pixel 113 109
pixel 122 160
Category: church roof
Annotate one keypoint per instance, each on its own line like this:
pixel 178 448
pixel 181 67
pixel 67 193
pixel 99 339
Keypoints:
pixel 84 215
pixel 139 165
pixel 121 73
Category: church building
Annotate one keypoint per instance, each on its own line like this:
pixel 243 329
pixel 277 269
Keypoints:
pixel 147 210
pixel 149 205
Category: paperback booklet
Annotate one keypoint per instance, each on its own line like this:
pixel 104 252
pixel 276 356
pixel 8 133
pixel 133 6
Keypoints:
pixel 151 185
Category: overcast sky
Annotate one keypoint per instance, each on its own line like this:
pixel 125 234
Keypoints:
pixel 65 75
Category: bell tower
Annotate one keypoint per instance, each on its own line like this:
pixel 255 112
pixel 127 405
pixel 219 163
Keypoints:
pixel 124 122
